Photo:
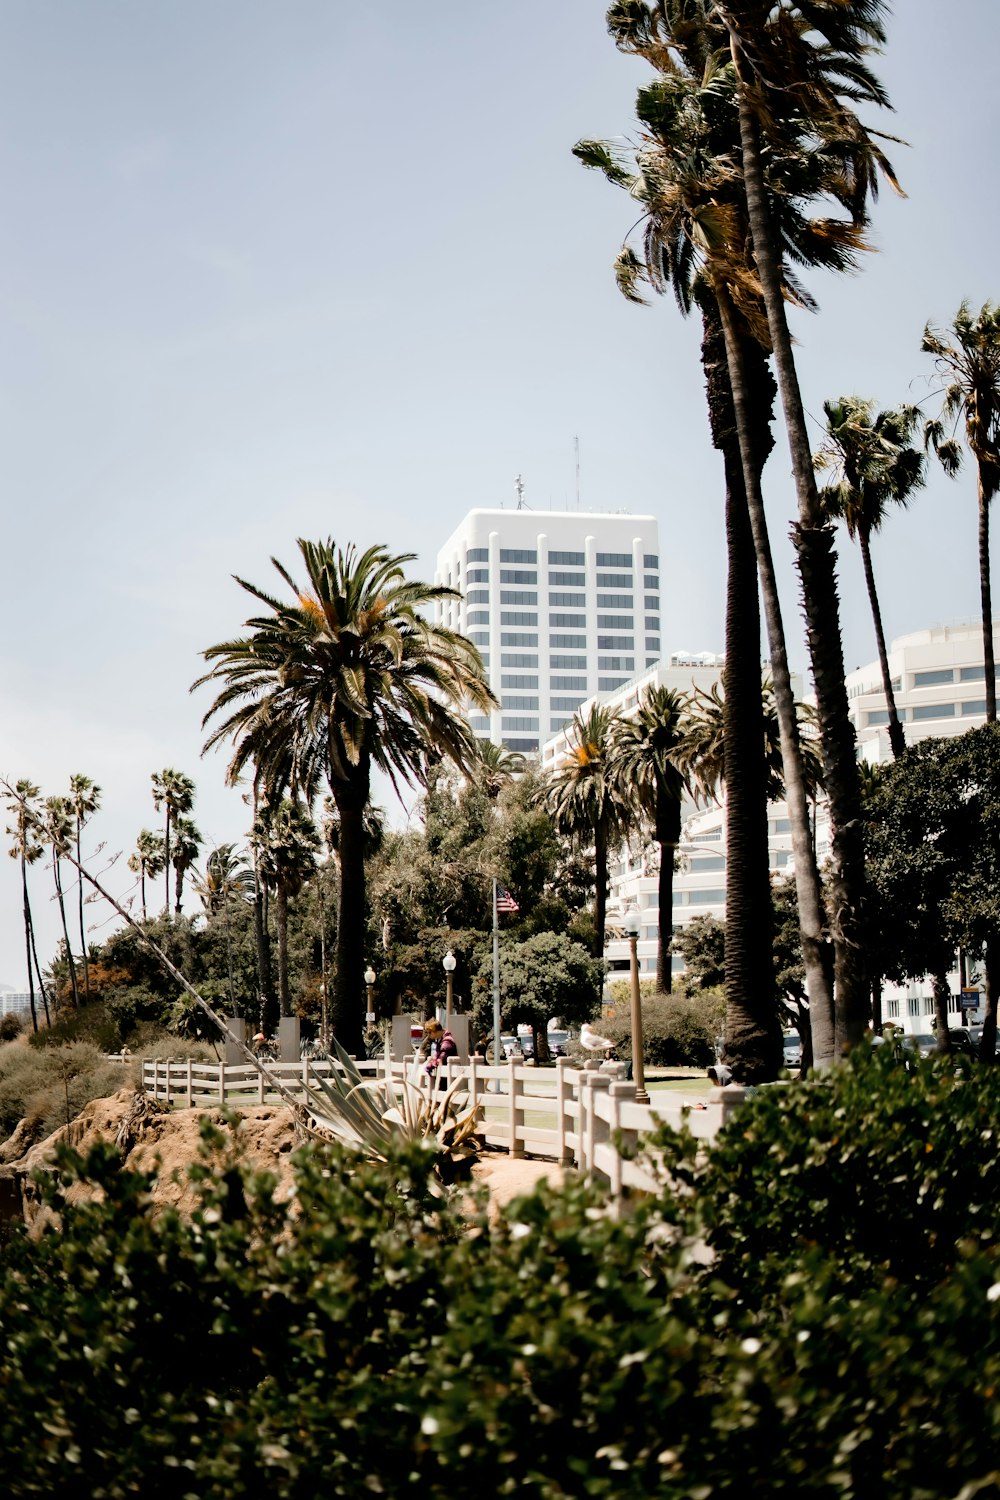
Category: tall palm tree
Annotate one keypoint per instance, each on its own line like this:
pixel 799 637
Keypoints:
pixel 187 847
pixel 227 878
pixel 876 466
pixel 27 849
pixel 701 751
pixel 347 677
pixel 967 356
pixel 56 829
pixel 173 791
pixel 147 861
pixel 494 766
pixel 585 801
pixel 85 799
pixel 286 842
pixel 797 66
pixel 642 758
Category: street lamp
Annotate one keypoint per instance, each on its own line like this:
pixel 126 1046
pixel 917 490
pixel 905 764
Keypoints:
pixel 369 981
pixel 631 924
pixel 449 962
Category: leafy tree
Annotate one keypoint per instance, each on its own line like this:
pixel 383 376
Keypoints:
pixel 702 945
pixel 967 357
pixel 85 797
pixel 876 466
pixel 544 976
pixel 174 792
pixel 187 846
pixel 227 879
pixel 286 842
pixel 147 861
pixel 348 677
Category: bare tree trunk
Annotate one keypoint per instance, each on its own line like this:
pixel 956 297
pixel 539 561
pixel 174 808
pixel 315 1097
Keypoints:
pixel 347 999
pixel 985 593
pixel 281 913
pixel 27 946
pixel 897 740
pixel 62 912
pixel 991 978
pixel 83 933
pixel 942 1028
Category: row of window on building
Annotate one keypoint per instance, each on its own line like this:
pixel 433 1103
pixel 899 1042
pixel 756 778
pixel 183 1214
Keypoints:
pixel 526 640
pixel 923 711
pixel 529 555
pixel 919 1005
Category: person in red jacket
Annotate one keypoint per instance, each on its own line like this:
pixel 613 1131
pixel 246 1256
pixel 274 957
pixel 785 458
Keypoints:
pixel 439 1045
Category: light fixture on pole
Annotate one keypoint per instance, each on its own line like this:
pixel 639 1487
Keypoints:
pixel 449 963
pixel 369 981
pixel 631 924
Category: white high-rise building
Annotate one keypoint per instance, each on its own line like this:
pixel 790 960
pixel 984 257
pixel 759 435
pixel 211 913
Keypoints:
pixel 562 604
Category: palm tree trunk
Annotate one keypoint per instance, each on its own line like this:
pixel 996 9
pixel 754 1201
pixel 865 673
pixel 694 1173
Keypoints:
pixel 142 887
pixel 753 1041
pixel 62 912
pixel 38 970
pixel 985 593
pixel 83 934
pixel 897 740
pixel 939 985
pixel 281 917
pixel 991 979
pixel 668 834
pixel 348 978
pixel 807 882
pixel 27 946
pixel 813 541
pixel 166 866
pixel 601 893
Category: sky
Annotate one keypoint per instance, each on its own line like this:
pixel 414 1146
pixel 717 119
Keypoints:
pixel 330 270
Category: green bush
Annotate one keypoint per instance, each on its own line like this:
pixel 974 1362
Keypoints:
pixel 677 1030
pixel 11 1026
pixel 49 1086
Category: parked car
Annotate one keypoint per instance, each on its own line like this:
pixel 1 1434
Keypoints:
pixel 793 1050
pixel 558 1043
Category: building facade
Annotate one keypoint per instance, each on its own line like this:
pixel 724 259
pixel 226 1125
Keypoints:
pixel 563 605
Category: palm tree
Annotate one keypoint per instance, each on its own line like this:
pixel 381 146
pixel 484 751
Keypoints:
pixel 796 67
pixel 967 356
pixel 701 752
pixel 348 677
pixel 876 466
pixel 57 830
pixel 173 791
pixel 286 842
pixel 642 754
pixel 227 878
pixel 495 766
pixel 584 799
pixel 187 846
pixel 147 861
pixel 26 849
pixel 85 799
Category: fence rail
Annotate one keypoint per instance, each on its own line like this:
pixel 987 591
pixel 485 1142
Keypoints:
pixel 566 1115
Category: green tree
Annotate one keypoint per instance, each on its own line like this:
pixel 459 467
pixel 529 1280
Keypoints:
pixel 147 861
pixel 26 849
pixel 56 828
pixel 967 358
pixel 174 792
pixel 286 842
pixel 187 847
pixel 544 976
pixel 85 797
pixel 643 748
pixel 584 799
pixel 875 466
pixel 347 678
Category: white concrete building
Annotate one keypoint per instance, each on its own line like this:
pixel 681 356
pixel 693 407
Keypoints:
pixel 14 1002
pixel 562 604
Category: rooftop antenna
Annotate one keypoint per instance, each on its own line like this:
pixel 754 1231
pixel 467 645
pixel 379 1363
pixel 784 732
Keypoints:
pixel 519 491
pixel 576 454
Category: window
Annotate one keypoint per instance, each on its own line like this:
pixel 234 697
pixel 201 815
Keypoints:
pixel 517 555
pixel 568 642
pixel 913 1006
pixel 567 580
pixel 518 596
pixel 614 580
pixel 652 601
pixel 515 659
pixel 568 622
pixel 515 638
pixel 928 1005
pixel 877 716
pixel 479 724
pixel 556 725
pixel 477 575
pixel 477 554
pixel 519 680
pixel 615 601
pixel 972 674
pixel 569 601
pixel 651 560
pixel 520 700
pixel 478 617
pixel 570 663
pixel 892 1009
pixel 652 622
pixel 651 581
pixel 616 643
pixel 705 864
pixel 928 679
pixel 519 744
pixel 569 684
pixel 699 898
pixel 479 637
pixel 609 684
pixel 651 661
pixel 780 825
pixel 566 559
pixel 651 900
pixel 518 617
pixel 933 711
pixel 519 721
pixel 614 559
pixel 616 663
pixel 974 706
pixel 515 575
pixel 652 644
pixel 478 596
pixel 567 705
pixel 616 622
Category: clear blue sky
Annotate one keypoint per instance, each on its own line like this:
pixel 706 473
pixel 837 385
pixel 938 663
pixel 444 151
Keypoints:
pixel 330 269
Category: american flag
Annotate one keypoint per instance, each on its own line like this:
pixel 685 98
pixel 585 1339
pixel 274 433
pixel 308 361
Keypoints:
pixel 505 901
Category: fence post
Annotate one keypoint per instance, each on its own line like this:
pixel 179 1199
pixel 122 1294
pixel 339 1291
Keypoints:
pixel 222 1083
pixel 305 1075
pixel 169 1066
pixel 260 1080
pixel 190 1086
pixel 473 1077
pixel 563 1093
pixel 515 1148
pixel 156 1078
pixel 618 1090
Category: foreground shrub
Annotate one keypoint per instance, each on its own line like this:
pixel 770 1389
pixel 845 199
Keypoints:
pixel 49 1086
pixel 677 1030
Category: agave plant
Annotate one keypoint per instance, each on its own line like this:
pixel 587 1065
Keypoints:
pixel 373 1115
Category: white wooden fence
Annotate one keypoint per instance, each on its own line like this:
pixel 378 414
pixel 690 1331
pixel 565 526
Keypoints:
pixel 567 1114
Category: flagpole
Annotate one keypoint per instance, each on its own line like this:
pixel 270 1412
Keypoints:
pixel 497 1045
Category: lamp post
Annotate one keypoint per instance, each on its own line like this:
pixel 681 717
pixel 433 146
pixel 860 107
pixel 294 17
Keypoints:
pixel 369 981
pixel 631 925
pixel 449 963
